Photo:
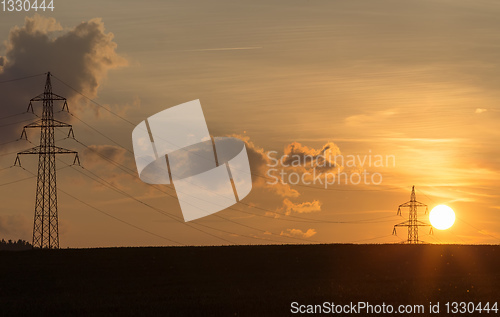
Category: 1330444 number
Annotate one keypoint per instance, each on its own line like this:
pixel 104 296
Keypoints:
pixel 27 5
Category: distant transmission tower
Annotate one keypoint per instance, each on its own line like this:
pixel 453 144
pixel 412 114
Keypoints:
pixel 46 226
pixel 412 223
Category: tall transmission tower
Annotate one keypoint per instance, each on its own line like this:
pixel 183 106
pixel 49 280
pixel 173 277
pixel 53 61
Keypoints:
pixel 46 225
pixel 412 223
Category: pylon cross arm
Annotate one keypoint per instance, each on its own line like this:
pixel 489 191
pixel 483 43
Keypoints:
pixel 42 97
pixel 49 150
pixel 51 124
pixel 36 124
pixel 403 224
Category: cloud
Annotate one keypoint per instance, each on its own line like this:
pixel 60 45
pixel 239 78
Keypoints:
pixel 305 207
pixel 480 110
pixel 289 207
pixel 259 165
pixel 306 159
pixel 81 56
pixel 297 158
pixel 298 233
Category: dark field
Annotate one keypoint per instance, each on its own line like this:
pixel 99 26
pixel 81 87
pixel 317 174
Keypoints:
pixel 243 280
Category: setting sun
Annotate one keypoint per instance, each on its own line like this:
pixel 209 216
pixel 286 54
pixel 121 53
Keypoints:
pixel 442 217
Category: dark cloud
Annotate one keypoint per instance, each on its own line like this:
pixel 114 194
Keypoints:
pixel 81 56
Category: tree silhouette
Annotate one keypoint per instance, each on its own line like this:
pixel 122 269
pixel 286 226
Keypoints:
pixel 15 245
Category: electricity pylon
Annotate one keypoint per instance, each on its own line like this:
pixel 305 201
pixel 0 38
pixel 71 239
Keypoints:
pixel 412 223
pixel 46 226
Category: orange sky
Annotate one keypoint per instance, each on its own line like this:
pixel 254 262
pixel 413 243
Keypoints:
pixel 417 81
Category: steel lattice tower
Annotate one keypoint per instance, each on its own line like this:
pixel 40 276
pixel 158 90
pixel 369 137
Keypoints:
pixel 412 223
pixel 46 226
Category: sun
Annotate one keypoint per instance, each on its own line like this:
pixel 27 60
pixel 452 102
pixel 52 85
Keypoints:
pixel 442 217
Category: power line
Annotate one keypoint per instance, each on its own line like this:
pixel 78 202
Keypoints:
pixel 93 101
pixel 14 123
pixel 6 168
pixel 177 219
pixel 10 153
pixel 100 133
pixel 121 220
pixel 478 230
pixel 109 185
pixel 13 115
pixel 435 238
pixel 301 219
pixel 10 142
pixel 23 179
pixel 21 78
pixel 226 219
pixel 18 181
pixel 375 238
pixel 286 217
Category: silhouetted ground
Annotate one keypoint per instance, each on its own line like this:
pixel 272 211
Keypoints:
pixel 242 280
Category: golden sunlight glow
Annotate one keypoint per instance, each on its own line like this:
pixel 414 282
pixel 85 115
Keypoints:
pixel 442 217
